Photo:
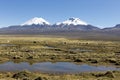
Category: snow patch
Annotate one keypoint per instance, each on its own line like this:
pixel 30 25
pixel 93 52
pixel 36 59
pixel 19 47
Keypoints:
pixel 72 21
pixel 36 21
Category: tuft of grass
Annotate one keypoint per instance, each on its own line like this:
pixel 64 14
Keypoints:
pixel 36 49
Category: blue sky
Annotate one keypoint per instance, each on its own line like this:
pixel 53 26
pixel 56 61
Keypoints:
pixel 101 13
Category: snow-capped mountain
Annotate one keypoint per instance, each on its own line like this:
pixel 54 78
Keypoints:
pixel 74 24
pixel 72 21
pixel 36 21
pixel 73 27
pixel 41 25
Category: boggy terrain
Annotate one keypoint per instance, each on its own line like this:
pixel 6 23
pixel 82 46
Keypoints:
pixel 51 49
pixel 26 75
pixel 36 49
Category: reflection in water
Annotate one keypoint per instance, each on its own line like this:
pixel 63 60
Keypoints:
pixel 58 67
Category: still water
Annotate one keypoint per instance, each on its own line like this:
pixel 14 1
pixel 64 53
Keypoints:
pixel 48 67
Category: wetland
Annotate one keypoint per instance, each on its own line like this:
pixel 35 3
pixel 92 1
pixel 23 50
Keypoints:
pixel 46 56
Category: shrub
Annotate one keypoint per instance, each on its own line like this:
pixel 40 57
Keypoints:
pixel 112 60
pixel 16 57
pixel 22 75
pixel 78 60
pixel 107 74
pixel 40 78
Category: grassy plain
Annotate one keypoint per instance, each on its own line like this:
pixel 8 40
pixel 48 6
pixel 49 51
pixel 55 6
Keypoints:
pixel 38 48
pixel 26 75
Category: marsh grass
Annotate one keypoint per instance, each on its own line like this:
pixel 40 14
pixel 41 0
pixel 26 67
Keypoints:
pixel 26 75
pixel 36 49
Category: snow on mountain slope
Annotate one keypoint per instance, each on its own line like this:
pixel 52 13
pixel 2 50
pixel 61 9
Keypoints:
pixel 36 21
pixel 72 21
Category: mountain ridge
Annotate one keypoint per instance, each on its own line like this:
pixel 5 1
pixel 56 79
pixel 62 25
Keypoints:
pixel 72 30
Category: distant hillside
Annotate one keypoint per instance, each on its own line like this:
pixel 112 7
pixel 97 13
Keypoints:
pixel 72 28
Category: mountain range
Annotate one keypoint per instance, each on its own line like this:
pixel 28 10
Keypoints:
pixel 40 24
pixel 73 27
